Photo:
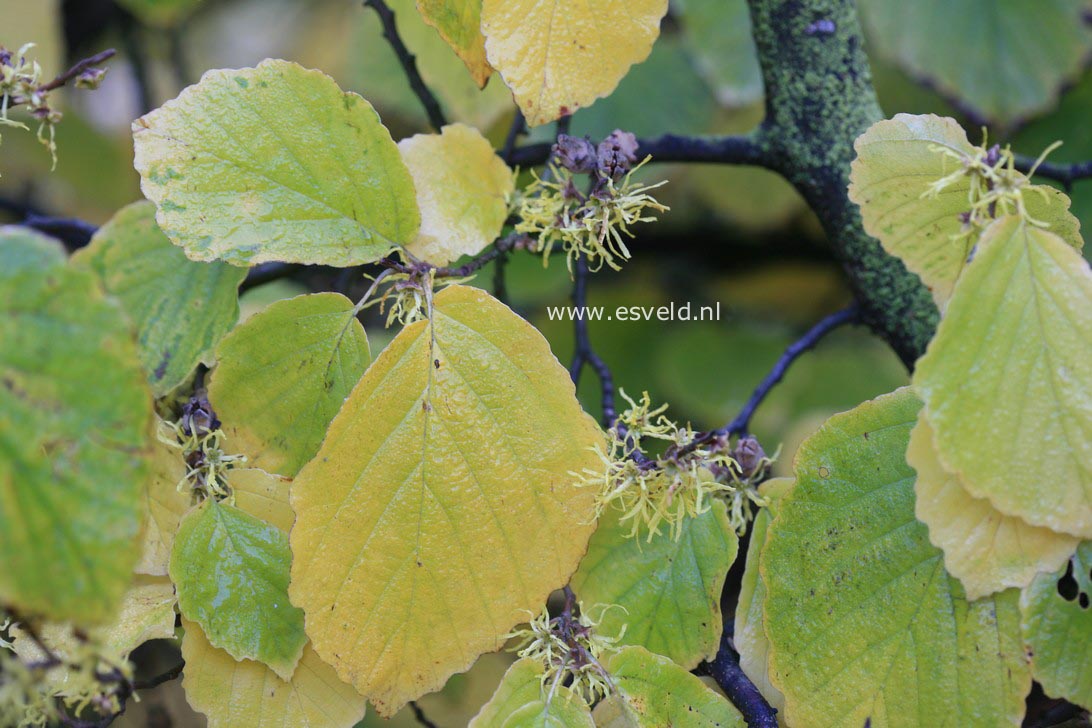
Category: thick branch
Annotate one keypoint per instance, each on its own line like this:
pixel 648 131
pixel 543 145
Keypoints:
pixel 738 687
pixel 819 99
pixel 670 148
pixel 409 63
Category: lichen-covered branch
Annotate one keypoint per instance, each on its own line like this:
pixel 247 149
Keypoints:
pixel 819 99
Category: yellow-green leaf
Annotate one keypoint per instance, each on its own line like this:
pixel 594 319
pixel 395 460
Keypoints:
pixel 863 621
pixel 749 635
pixel 521 701
pixel 560 55
pixel 231 572
pixel 165 505
pixel 181 307
pixel 1057 624
pixel 897 161
pixel 74 424
pixel 440 508
pixel 985 549
pixel 459 23
pixel 1007 380
pixel 669 589
pixel 233 693
pixel 654 692
pixel 275 163
pixel 282 376
pixel 462 189
pixel 262 495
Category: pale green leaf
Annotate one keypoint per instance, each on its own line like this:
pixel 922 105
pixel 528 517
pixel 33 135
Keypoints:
pixel 654 692
pixel 863 621
pixel 233 693
pixel 283 375
pixel 462 190
pixel 1057 624
pixel 719 35
pixel 668 589
pixel 75 418
pixel 897 161
pixel 181 307
pixel 441 508
pixel 749 635
pixel 522 701
pixel 231 572
pixel 555 68
pixel 275 163
pixel 459 23
pixel 262 495
pixel 1006 59
pixel 985 549
pixel 1007 381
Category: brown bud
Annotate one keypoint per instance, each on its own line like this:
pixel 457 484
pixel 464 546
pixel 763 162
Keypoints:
pixel 575 154
pixel 617 154
pixel 198 417
pixel 749 454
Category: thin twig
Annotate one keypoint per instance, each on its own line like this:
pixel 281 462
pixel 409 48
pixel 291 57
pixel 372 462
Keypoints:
pixel 742 150
pixel 1067 174
pixel 583 352
pixel 742 421
pixel 742 693
pixel 80 67
pixel 420 715
pixel 519 126
pixel 161 678
pixel 409 63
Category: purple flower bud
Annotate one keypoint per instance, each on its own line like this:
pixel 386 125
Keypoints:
pixel 617 154
pixel 575 154
pixel 749 454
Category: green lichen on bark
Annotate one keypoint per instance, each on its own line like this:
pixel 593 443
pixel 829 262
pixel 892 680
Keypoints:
pixel 819 99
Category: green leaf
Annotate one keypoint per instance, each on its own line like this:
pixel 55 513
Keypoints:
pixel 164 507
pixel 462 191
pixel 719 34
pixel 863 621
pixel 284 373
pixel 231 572
pixel 459 22
pixel 75 418
pixel 669 589
pixel 985 549
pixel 749 635
pixel 275 163
pixel 555 68
pixel 1010 369
pixel 520 701
pixel 1006 59
pixel 1057 624
pixel 441 507
pixel 897 161
pixel 654 692
pixel 181 308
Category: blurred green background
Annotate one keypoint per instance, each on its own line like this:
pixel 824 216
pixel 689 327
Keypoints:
pixel 740 237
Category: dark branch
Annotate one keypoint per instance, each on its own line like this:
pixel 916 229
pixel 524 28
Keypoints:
pixel 158 680
pixel 738 687
pixel 583 352
pixel 409 63
pixel 420 715
pixel 807 342
pixel 136 51
pixel 1067 174
pixel 73 232
pixel 670 148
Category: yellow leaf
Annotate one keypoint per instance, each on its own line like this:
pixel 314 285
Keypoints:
pixel 164 507
pixel 262 495
pixel 246 693
pixel 1007 380
pixel 898 159
pixel 440 510
pixel 459 23
pixel 462 186
pixel 560 55
pixel 985 549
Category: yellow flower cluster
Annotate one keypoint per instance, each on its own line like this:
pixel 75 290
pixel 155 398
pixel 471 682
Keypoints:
pixel 202 450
